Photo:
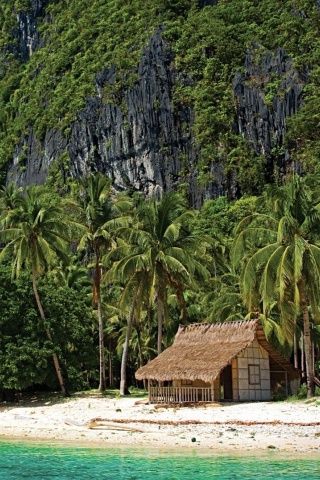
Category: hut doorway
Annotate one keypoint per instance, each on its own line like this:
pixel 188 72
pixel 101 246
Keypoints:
pixel 226 383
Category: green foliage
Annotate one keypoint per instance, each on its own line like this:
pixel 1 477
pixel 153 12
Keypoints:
pixel 80 39
pixel 220 216
pixel 71 321
pixel 25 352
pixel 158 250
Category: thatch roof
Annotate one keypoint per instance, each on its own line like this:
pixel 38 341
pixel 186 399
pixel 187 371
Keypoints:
pixel 200 351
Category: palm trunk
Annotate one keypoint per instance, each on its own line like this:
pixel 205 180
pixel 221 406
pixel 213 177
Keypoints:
pixel 295 348
pixel 97 300
pixel 141 362
pixel 49 336
pixel 124 359
pixel 111 379
pixel 302 357
pixel 160 321
pixel 307 340
pixel 313 356
pixel 183 307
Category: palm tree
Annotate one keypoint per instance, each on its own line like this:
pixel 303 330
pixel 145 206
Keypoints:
pixel 157 252
pixel 161 245
pixel 35 235
pixel 285 268
pixel 9 197
pixel 224 302
pixel 98 212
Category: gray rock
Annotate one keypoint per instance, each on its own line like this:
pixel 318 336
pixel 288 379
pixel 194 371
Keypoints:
pixel 260 121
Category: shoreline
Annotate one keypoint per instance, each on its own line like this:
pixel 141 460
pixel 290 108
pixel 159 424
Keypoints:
pixel 282 427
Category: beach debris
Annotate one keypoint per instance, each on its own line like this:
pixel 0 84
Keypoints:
pixel 144 401
pixel 22 417
pixel 193 439
pixel 96 423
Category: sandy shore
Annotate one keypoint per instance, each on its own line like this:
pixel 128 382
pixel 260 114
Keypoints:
pixel 280 426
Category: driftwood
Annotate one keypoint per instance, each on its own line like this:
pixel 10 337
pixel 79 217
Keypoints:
pixel 216 422
pixel 97 423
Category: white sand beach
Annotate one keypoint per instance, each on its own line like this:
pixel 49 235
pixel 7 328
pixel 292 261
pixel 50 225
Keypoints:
pixel 95 420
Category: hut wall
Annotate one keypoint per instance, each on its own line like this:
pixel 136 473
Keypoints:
pixel 217 389
pixel 235 378
pixel 253 373
pixel 201 383
pixel 191 383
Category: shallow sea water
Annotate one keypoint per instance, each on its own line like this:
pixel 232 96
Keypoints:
pixel 38 461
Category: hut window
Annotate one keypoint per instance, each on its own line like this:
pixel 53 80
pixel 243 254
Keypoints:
pixel 254 374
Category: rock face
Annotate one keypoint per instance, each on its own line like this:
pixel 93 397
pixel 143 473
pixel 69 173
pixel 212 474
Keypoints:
pixel 144 147
pixel 143 140
pixel 265 96
pixel 26 33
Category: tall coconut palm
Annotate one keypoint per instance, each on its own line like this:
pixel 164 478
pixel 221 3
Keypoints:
pixel 161 245
pixel 135 284
pixel 135 291
pixel 98 212
pixel 35 237
pixel 155 254
pixel 285 268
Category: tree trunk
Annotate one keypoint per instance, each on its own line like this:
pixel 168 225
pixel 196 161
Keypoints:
pixel 141 362
pixel 111 378
pixel 303 363
pixel 313 355
pixel 97 301
pixel 49 336
pixel 295 348
pixel 160 321
pixel 124 359
pixel 307 340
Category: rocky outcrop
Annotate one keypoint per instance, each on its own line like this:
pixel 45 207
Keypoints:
pixel 142 139
pixel 266 94
pixel 26 33
pixel 32 159
pixel 142 147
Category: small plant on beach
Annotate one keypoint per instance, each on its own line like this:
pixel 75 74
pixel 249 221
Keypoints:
pixel 302 394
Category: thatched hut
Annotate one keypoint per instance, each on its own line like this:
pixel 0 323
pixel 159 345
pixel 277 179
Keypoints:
pixel 219 361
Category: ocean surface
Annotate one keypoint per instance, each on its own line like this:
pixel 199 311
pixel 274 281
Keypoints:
pixel 35 461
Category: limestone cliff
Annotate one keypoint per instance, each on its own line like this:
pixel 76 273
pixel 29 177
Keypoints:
pixel 144 140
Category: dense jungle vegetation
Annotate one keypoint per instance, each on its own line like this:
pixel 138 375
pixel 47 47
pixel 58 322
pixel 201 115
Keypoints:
pixel 94 286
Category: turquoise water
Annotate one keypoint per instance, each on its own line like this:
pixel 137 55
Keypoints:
pixel 41 461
